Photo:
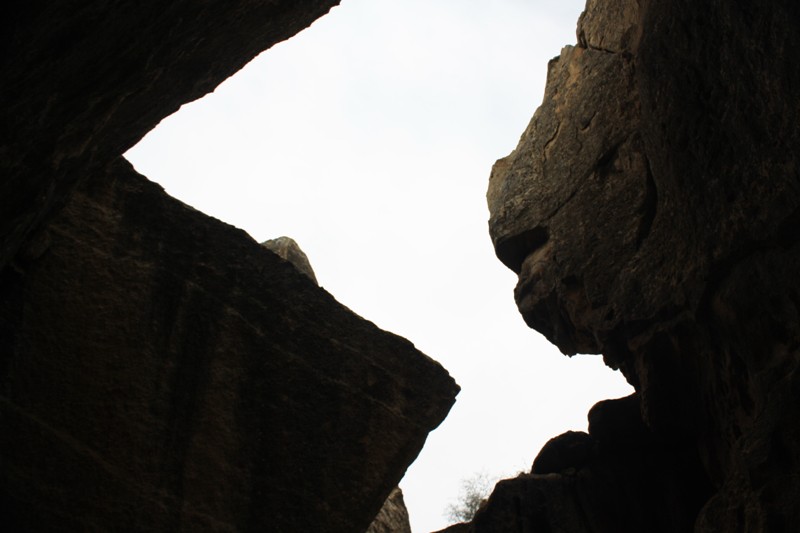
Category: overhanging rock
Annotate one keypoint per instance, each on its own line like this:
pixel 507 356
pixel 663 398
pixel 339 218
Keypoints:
pixel 159 369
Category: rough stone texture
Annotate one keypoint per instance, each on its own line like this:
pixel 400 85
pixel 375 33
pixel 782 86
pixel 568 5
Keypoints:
pixel 287 248
pixel 651 210
pixel 163 371
pixel 159 369
pixel 84 80
pixel 616 479
pixel 393 517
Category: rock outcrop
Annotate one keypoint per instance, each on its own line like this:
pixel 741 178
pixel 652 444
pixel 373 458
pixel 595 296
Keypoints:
pixel 287 248
pixel 393 517
pixel 84 81
pixel 651 211
pixel 159 369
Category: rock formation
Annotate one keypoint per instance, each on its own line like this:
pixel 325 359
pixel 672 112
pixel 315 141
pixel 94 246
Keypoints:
pixel 651 211
pixel 287 248
pixel 84 81
pixel 393 517
pixel 159 369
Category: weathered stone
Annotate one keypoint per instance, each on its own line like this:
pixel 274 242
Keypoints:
pixel 651 211
pixel 160 370
pixel 579 484
pixel 610 26
pixel 83 81
pixel 163 371
pixel 287 248
pixel 393 517
pixel 577 151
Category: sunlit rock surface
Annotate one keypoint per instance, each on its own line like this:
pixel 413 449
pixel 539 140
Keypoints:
pixel 393 517
pixel 159 369
pixel 651 210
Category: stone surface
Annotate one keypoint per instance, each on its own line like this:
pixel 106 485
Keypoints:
pixel 572 449
pixel 393 517
pixel 584 483
pixel 164 371
pixel 287 248
pixel 159 369
pixel 651 211
pixel 83 81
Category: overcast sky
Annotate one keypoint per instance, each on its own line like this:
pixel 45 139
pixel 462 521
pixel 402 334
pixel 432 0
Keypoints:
pixel 369 138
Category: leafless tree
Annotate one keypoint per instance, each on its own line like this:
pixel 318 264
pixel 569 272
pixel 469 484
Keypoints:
pixel 474 492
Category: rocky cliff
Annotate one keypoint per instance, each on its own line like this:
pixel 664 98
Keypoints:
pixel 159 369
pixel 83 81
pixel 651 211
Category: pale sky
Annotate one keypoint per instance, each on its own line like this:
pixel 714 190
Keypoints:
pixel 369 138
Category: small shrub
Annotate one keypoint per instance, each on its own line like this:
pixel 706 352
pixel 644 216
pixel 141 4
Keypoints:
pixel 474 492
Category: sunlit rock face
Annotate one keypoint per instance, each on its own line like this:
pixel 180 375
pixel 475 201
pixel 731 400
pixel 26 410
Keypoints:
pixel 161 371
pixel 651 210
pixel 393 517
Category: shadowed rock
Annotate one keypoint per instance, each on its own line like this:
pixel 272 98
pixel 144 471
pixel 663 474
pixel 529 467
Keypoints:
pixel 159 369
pixel 83 81
pixel 651 212
pixel 572 449
pixel 165 371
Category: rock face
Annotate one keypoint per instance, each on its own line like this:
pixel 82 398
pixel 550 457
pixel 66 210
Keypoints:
pixel 287 248
pixel 651 210
pixel 84 81
pixel 159 369
pixel 163 370
pixel 393 517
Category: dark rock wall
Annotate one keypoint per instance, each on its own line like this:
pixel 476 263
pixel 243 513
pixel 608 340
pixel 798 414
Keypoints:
pixel 199 377
pixel 651 210
pixel 83 81
pixel 159 369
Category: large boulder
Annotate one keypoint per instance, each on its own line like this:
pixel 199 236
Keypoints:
pixel 159 369
pixel 651 211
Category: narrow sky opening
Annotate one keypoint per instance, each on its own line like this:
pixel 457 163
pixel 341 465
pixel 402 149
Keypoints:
pixel 369 138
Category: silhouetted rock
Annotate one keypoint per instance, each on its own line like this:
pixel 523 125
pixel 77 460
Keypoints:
pixel 176 374
pixel 651 210
pixel 84 81
pixel 159 369
pixel 572 449
pixel 617 424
